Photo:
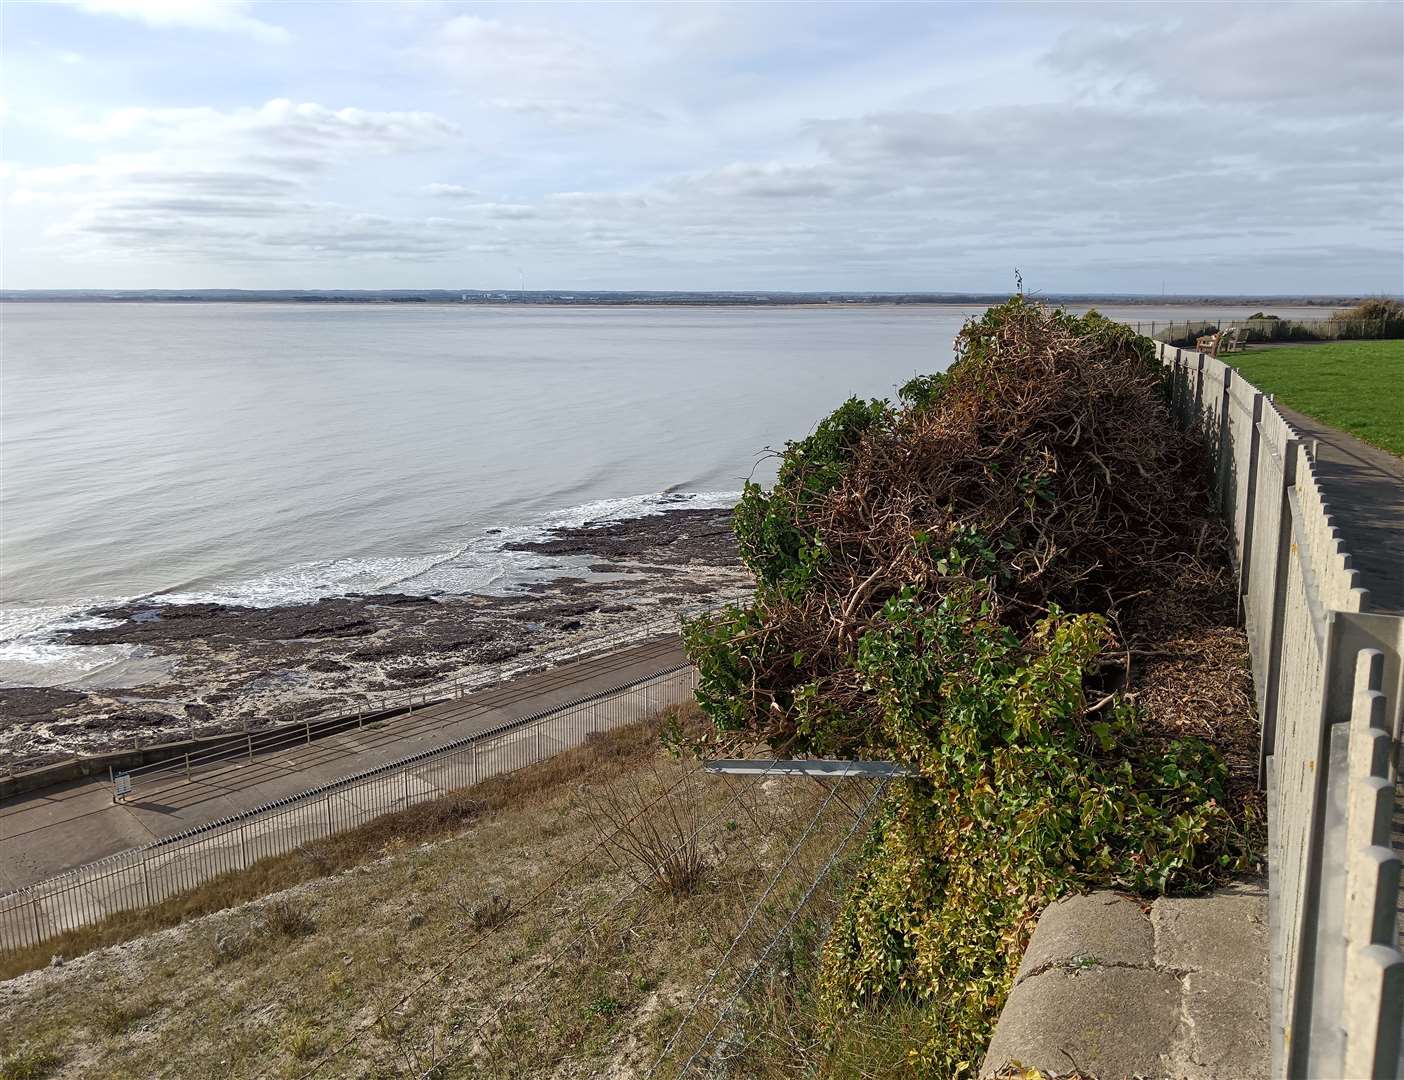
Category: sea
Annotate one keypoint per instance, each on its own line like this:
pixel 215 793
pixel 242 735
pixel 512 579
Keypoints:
pixel 263 454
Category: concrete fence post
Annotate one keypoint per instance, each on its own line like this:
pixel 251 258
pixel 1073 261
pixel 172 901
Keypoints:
pixel 1372 1045
pixel 1250 510
pixel 1278 571
pixel 1225 451
pixel 1199 388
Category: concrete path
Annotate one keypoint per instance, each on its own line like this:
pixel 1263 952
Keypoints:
pixel 1365 487
pixel 1116 987
pixel 45 833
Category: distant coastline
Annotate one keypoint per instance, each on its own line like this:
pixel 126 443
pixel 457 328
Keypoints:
pixel 620 298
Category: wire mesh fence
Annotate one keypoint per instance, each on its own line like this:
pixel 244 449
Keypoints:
pixel 153 873
pixel 773 851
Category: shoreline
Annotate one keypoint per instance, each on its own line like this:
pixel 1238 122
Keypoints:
pixel 234 668
pixel 857 301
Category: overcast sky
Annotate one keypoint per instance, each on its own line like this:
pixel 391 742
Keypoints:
pixel 1125 148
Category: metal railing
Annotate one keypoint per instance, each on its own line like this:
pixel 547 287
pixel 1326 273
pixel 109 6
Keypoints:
pixel 1183 332
pixel 1329 679
pixel 147 875
pixel 369 708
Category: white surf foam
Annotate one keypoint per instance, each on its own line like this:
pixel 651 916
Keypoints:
pixel 30 655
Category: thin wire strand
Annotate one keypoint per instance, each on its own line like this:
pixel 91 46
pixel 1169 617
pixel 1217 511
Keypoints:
pixel 750 920
pixel 555 954
pixel 473 939
pixel 741 987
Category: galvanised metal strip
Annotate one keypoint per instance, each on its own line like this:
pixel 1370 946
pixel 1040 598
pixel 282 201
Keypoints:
pixel 819 769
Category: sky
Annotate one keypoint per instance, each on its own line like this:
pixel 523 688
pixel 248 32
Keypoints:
pixel 1139 147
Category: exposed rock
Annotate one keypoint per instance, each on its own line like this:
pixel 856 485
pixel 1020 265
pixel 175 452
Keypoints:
pixel 231 667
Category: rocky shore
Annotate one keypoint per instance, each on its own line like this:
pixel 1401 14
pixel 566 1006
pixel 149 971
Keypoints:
pixel 235 668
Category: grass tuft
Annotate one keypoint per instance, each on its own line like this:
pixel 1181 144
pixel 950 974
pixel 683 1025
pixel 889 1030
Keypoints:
pixel 30 1063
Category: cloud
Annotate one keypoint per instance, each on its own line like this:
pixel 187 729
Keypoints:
pixel 228 16
pixel 450 191
pixel 735 146
pixel 769 180
pixel 507 56
pixel 278 126
pixel 566 113
pixel 233 183
pixel 1333 59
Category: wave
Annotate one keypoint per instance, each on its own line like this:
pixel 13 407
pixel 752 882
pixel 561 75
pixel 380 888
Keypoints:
pixel 30 655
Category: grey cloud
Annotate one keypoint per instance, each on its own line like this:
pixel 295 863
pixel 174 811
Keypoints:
pixel 1321 59
pixel 196 206
pixel 450 191
pixel 215 183
pixel 769 181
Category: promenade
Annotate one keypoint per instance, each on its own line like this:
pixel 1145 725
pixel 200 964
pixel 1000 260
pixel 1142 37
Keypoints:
pixel 1365 486
pixel 44 833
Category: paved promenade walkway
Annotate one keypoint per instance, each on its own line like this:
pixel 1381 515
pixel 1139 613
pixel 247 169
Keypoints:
pixel 45 833
pixel 1365 487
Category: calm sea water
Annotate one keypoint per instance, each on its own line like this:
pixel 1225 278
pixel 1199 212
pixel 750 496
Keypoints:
pixel 266 453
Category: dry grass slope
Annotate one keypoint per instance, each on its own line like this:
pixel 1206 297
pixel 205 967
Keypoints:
pixel 500 932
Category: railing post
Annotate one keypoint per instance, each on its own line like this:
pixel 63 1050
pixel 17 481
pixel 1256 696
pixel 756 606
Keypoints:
pixel 187 766
pixel 249 737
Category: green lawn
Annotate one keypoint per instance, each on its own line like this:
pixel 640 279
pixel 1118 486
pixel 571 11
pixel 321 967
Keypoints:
pixel 1357 386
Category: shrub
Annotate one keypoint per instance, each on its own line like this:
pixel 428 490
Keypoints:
pixel 656 844
pixel 1022 796
pixel 1375 317
pixel 1044 469
pixel 936 585
pixel 488 914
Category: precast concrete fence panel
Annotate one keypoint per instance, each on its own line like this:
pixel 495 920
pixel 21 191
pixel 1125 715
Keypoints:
pixel 1329 686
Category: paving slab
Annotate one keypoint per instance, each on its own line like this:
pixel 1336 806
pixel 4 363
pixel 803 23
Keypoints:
pixel 1097 928
pixel 1227 935
pixel 1104 1021
pixel 1223 1028
pixel 1115 987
